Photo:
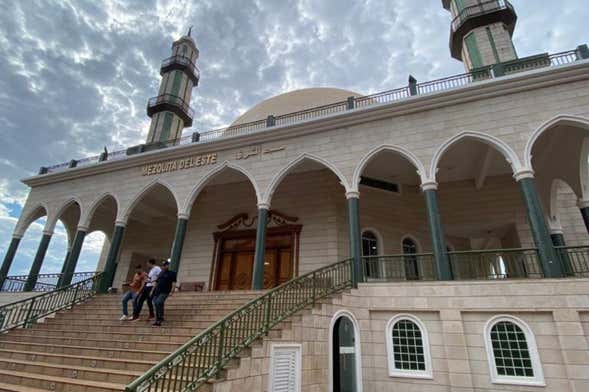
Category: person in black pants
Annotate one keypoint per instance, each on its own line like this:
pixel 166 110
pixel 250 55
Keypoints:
pixel 146 293
pixel 164 287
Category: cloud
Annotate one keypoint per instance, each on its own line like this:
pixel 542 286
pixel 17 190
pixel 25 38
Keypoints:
pixel 76 75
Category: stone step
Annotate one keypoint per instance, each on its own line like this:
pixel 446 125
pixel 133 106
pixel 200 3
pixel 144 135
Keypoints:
pixel 84 334
pixel 105 342
pixel 114 376
pixel 18 388
pixel 138 327
pixel 114 322
pixel 146 355
pixel 169 316
pixel 78 360
pixel 58 384
pixel 117 311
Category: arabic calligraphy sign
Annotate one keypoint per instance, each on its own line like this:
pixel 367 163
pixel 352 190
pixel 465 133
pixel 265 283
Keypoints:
pixel 257 150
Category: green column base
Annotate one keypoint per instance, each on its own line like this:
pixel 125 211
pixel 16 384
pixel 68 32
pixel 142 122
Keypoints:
pixel 111 259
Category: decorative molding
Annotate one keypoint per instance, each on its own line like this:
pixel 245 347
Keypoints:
pixel 523 173
pixel 48 232
pixel 429 185
pixel 183 215
pixel 515 83
pixel 352 195
pixel 242 221
pixel 121 223
pixel 82 228
pixel 583 203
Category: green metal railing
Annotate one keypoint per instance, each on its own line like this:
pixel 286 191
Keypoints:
pixel 495 264
pixel 205 355
pixel 399 267
pixel 575 260
pixel 26 312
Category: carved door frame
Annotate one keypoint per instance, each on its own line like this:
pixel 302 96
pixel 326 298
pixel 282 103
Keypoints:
pixel 241 226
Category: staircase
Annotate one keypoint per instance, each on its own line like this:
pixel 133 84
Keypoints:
pixel 87 349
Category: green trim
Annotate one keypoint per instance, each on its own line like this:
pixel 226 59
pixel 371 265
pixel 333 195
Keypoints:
pixel 443 268
pixel 476 61
pixel 165 134
pixel 176 84
pixel 355 240
pixel 72 260
pixel 260 252
pixel 178 244
pixel 548 257
pixel 493 46
pixel 459 5
pixel 8 258
pixel 111 260
pixel 37 263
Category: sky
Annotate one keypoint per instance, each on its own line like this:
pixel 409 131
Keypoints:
pixel 75 76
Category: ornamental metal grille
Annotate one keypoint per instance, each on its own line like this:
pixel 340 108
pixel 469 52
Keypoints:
pixel 512 356
pixel 408 346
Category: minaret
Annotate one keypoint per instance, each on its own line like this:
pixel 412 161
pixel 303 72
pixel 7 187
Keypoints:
pixel 170 111
pixel 481 31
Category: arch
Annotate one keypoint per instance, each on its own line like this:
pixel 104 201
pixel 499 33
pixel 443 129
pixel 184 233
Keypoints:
pixel 393 370
pixel 95 204
pixel 563 119
pixel 187 207
pixel 285 170
pixel 28 218
pixel 52 221
pixel 538 377
pixel 412 238
pixel 584 169
pixel 124 213
pixel 357 347
pixel 379 239
pixel 509 154
pixel 553 212
pixel 408 155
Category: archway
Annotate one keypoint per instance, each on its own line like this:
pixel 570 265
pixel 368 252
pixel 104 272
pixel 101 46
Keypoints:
pixel 482 209
pixel 151 222
pixel 220 235
pixel 559 153
pixel 307 196
pixel 389 180
pixel 344 354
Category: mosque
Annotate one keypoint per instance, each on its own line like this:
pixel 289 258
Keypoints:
pixel 432 237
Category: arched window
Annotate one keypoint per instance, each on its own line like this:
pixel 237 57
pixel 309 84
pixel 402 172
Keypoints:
pixel 410 258
pixel 408 347
pixel 370 243
pixel 512 352
pixel 370 247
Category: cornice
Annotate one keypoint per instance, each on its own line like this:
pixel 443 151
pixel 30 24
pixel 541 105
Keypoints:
pixel 510 84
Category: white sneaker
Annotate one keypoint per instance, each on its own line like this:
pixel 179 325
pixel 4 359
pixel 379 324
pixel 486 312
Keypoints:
pixel 123 318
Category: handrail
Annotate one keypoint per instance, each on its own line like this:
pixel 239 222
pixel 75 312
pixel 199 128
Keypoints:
pixel 479 9
pixel 44 282
pixel 26 312
pixel 386 97
pixel 184 60
pixel 173 100
pixel 203 356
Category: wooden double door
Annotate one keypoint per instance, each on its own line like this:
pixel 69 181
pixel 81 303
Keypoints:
pixel 235 261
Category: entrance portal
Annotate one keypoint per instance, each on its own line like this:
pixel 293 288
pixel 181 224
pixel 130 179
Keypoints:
pixel 234 259
pixel 344 356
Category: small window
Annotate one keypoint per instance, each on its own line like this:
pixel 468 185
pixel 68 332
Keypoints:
pixel 511 349
pixel 410 259
pixel 408 348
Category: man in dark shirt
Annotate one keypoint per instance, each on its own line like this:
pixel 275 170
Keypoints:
pixel 164 287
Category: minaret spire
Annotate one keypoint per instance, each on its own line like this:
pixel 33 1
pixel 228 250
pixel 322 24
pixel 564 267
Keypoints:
pixel 481 32
pixel 170 110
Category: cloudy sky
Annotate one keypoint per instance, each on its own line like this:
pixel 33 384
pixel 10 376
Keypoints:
pixel 75 76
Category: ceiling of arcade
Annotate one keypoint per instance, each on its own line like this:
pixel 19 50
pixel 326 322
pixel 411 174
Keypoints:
pixel 157 207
